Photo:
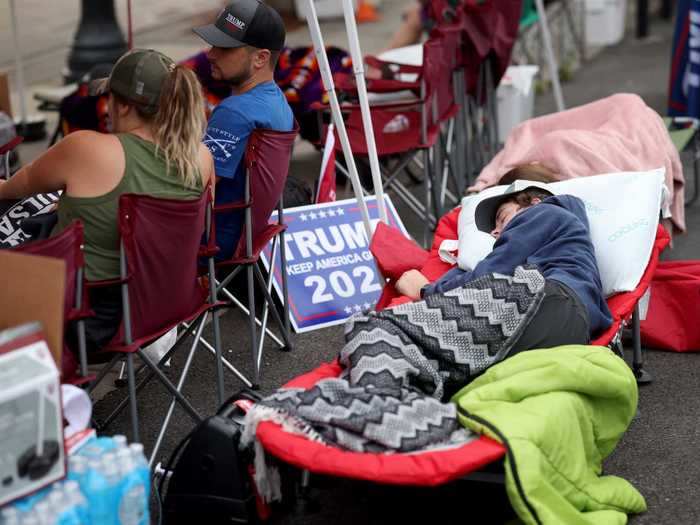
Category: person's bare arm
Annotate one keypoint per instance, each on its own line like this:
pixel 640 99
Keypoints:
pixel 54 169
pixel 411 28
pixel 410 284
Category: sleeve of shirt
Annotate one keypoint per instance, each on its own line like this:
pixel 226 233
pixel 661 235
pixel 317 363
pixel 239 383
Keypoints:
pixel 226 137
pixel 525 234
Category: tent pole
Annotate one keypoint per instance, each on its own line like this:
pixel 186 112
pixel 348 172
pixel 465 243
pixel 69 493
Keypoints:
pixel 19 67
pixel 359 71
pixel 551 61
pixel 329 88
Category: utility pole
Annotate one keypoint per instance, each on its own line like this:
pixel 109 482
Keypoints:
pixel 98 39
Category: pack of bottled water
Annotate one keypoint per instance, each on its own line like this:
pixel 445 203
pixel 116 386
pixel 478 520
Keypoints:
pixel 108 483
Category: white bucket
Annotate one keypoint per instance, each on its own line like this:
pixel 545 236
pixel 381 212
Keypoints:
pixel 605 21
pixel 515 97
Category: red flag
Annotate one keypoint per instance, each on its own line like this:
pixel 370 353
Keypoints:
pixel 326 180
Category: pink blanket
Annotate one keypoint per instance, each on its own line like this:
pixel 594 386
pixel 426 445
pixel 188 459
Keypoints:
pixel 617 133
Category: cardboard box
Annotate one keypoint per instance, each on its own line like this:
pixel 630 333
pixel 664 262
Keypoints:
pixel 31 420
pixel 32 288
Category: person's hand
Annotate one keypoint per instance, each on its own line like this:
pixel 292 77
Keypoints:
pixel 477 187
pixel 410 284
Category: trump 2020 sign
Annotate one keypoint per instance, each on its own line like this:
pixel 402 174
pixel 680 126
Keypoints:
pixel 331 272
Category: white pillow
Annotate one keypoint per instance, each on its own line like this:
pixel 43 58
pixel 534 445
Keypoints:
pixel 474 244
pixel 623 213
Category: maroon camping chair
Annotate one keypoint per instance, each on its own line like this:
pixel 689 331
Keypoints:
pixel 159 254
pixel 490 31
pixel 405 129
pixel 68 246
pixel 5 150
pixel 267 158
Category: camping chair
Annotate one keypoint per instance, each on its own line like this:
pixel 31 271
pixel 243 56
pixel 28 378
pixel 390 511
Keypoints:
pixel 68 246
pixel 5 150
pixel 267 158
pixel 432 467
pixel 159 248
pixel 406 128
pixel 683 131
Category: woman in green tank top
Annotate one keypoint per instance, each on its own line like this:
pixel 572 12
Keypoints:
pixel 158 120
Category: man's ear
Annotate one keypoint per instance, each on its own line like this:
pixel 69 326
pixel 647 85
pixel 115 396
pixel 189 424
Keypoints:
pixel 261 58
pixel 535 200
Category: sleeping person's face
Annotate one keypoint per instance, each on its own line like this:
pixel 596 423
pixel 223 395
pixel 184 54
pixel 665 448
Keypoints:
pixel 504 214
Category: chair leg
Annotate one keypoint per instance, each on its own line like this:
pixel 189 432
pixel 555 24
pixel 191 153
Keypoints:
pixel 171 388
pixel 246 312
pixel 251 324
pixel 643 377
pixel 696 170
pixel 226 363
pixel 285 289
pixel 217 334
pixel 426 182
pixel 271 303
pixel 180 383
pixel 122 404
pixel 132 398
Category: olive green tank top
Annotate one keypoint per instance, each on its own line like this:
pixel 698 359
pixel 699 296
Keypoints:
pixel 145 173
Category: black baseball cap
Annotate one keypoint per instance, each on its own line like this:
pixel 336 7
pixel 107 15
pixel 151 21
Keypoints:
pixel 485 212
pixel 245 23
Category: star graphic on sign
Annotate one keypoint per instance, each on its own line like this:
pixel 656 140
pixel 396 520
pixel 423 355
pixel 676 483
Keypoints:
pixel 367 306
pixel 312 215
pixel 302 217
pixel 357 308
pixel 331 212
pixel 340 211
pixel 322 214
pixel 348 310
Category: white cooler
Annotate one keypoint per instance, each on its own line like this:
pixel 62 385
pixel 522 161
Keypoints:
pixel 515 97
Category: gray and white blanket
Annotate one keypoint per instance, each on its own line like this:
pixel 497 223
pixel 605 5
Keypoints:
pixel 400 364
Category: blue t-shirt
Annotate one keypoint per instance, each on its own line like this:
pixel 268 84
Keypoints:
pixel 230 125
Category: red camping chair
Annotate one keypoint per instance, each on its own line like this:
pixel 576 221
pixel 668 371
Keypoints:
pixel 404 128
pixel 267 159
pixel 433 467
pixel 68 246
pixel 5 150
pixel 160 242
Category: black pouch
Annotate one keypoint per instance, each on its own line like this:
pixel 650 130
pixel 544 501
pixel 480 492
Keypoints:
pixel 211 480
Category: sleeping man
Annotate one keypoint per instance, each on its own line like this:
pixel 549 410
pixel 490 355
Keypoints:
pixel 532 226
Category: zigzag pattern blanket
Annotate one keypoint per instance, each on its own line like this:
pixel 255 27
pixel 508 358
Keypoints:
pixel 399 365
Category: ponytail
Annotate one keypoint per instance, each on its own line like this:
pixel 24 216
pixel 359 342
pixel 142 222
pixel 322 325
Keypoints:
pixel 179 125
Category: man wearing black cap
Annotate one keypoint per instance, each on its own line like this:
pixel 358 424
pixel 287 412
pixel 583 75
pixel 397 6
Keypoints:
pixel 533 226
pixel 246 41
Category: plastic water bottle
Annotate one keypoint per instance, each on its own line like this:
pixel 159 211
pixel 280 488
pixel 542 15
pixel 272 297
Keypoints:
pixel 10 516
pixel 62 507
pixel 132 493
pixel 44 513
pixel 30 518
pixel 78 502
pixel 119 441
pixel 102 481
pixel 139 460
pixel 77 469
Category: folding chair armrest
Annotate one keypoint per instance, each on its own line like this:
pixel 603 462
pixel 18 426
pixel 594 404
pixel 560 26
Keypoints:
pixel 6 148
pixel 238 205
pixel 394 67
